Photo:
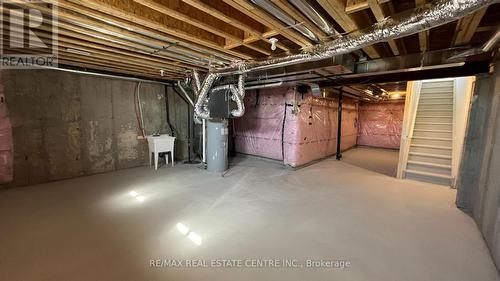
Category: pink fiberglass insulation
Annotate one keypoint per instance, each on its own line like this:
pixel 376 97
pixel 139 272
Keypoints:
pixel 380 124
pixel 258 132
pixel 6 146
pixel 308 135
pixel 349 124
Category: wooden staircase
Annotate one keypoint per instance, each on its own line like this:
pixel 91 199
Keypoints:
pixel 430 154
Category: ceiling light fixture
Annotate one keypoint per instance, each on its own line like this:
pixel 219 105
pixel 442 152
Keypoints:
pixel 273 42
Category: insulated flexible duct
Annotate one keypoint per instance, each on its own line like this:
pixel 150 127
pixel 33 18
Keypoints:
pixel 312 14
pixel 437 13
pixel 200 108
pixel 237 95
pixel 196 81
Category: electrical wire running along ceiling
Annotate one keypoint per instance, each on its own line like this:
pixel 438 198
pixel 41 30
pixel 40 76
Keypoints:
pixel 165 39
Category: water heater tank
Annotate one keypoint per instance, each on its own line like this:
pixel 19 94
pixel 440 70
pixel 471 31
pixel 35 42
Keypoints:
pixel 217 145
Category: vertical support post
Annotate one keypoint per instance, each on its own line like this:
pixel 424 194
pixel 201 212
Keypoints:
pixel 204 130
pixel 339 126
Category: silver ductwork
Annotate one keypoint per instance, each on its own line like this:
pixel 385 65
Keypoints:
pixel 420 19
pixel 311 13
pixel 196 81
pixel 269 7
pixel 238 95
pixel 438 13
pixel 200 107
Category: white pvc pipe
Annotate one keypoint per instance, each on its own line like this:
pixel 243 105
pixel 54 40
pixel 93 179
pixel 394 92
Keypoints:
pixel 140 108
pixel 204 140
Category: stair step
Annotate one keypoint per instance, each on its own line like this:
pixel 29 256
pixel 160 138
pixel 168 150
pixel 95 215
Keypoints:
pixel 432 131
pixel 435 98
pixel 437 109
pixel 428 174
pixel 439 91
pixel 432 146
pixel 433 123
pixel 430 155
pixel 431 138
pixel 434 116
pixel 438 84
pixel 435 103
pixel 429 164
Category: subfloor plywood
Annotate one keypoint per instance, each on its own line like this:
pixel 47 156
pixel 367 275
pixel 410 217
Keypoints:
pixel 94 228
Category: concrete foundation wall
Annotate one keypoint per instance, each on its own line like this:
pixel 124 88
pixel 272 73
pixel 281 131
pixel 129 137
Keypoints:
pixel 478 181
pixel 68 125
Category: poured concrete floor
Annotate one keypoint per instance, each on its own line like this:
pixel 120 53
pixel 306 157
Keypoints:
pixel 96 228
pixel 384 161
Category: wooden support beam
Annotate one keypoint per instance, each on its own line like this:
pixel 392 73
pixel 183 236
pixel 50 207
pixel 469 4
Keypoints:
pixel 299 18
pixel 65 45
pixel 103 61
pixel 353 6
pixel 423 37
pixel 103 67
pixel 252 11
pixel 255 34
pixel 197 22
pixel 67 33
pixel 135 20
pixel 485 28
pixel 336 9
pixel 466 27
pixel 117 27
pixel 380 16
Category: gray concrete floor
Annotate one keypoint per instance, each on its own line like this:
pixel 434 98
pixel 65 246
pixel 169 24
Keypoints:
pixel 96 228
pixel 384 161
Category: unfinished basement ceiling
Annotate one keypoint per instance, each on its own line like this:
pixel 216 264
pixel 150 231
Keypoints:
pixel 148 38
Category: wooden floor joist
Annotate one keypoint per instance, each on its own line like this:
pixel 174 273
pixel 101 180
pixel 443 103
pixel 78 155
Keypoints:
pixel 255 35
pixel 380 16
pixel 117 30
pixel 337 11
pixel 198 23
pixel 126 18
pixel 423 37
pixel 251 10
pixel 466 27
pixel 173 37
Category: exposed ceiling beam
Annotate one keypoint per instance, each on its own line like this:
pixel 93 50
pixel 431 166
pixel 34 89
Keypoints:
pixel 423 36
pixel 120 28
pixel 353 6
pixel 198 23
pixel 253 11
pixel 254 34
pixel 299 18
pixel 336 9
pixel 466 27
pixel 138 18
pixel 380 16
